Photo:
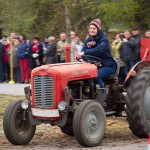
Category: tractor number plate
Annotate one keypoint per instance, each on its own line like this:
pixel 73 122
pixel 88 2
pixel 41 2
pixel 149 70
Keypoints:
pixel 45 112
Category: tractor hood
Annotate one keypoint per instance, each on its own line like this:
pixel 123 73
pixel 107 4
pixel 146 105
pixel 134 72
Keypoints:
pixel 70 71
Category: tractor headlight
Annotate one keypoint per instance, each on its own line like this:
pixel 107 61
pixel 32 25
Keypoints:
pixel 25 104
pixel 62 105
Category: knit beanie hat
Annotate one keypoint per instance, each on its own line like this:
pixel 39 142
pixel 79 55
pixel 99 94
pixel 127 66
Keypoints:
pixel 96 22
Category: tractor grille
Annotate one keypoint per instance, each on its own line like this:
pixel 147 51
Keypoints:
pixel 43 91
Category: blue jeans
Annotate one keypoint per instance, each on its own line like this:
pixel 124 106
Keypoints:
pixel 17 75
pixel 103 73
pixel 62 61
pixel 122 75
pixel 6 72
pixel 129 65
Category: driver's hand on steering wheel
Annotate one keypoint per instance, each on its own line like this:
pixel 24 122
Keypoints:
pixel 98 64
pixel 79 55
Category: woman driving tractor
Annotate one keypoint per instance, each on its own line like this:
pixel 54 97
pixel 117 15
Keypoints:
pixel 97 45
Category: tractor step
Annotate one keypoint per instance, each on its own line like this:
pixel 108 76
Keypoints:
pixel 110 113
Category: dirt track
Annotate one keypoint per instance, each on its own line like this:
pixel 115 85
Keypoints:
pixel 117 137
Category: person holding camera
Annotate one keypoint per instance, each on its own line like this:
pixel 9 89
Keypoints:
pixel 35 53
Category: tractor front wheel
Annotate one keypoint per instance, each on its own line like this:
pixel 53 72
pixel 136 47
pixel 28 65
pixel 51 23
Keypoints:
pixel 16 124
pixel 89 123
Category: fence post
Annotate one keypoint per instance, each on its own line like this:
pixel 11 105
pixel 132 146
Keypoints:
pixel 67 48
pixel 11 62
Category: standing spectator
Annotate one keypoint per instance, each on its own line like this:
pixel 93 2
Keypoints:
pixel 4 38
pixel 23 51
pixel 13 35
pixel 61 48
pixel 79 45
pixel 87 35
pixel 2 52
pixel 122 36
pixel 73 46
pixel 16 65
pixel 147 34
pixel 115 52
pixel 6 63
pixel 36 53
pixel 50 54
pixel 127 51
pixel 137 38
pixel 45 42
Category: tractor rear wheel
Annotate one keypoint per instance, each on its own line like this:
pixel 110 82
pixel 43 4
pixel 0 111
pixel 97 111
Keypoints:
pixel 138 103
pixel 16 124
pixel 89 123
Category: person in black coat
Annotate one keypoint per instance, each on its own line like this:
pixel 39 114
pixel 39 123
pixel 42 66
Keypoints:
pixel 36 53
pixel 97 45
pixel 50 53
pixel 128 51
pixel 2 53
pixel 137 38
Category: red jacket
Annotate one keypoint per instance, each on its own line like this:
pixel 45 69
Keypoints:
pixel 35 47
pixel 6 53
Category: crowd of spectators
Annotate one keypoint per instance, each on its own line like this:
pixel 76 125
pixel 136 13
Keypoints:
pixel 28 54
pixel 126 49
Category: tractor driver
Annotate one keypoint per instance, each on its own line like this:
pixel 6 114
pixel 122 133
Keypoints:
pixel 97 45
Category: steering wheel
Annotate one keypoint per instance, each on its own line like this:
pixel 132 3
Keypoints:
pixel 90 59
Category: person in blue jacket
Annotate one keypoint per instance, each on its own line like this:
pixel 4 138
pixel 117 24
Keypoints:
pixel 97 45
pixel 23 54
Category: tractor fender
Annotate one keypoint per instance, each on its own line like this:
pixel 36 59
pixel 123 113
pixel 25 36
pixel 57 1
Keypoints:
pixel 140 65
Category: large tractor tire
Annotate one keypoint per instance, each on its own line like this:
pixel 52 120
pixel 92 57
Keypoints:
pixel 17 127
pixel 138 103
pixel 89 123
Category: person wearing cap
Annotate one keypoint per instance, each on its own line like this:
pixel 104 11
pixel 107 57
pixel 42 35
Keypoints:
pixel 137 37
pixel 97 45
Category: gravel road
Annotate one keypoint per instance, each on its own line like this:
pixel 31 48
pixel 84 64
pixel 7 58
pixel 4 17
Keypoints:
pixel 117 137
pixel 12 89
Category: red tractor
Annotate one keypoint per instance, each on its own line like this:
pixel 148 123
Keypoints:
pixel 65 95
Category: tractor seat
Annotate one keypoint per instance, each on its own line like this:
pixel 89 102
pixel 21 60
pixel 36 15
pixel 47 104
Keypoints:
pixel 115 75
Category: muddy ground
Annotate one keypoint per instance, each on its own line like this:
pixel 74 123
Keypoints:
pixel 117 137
